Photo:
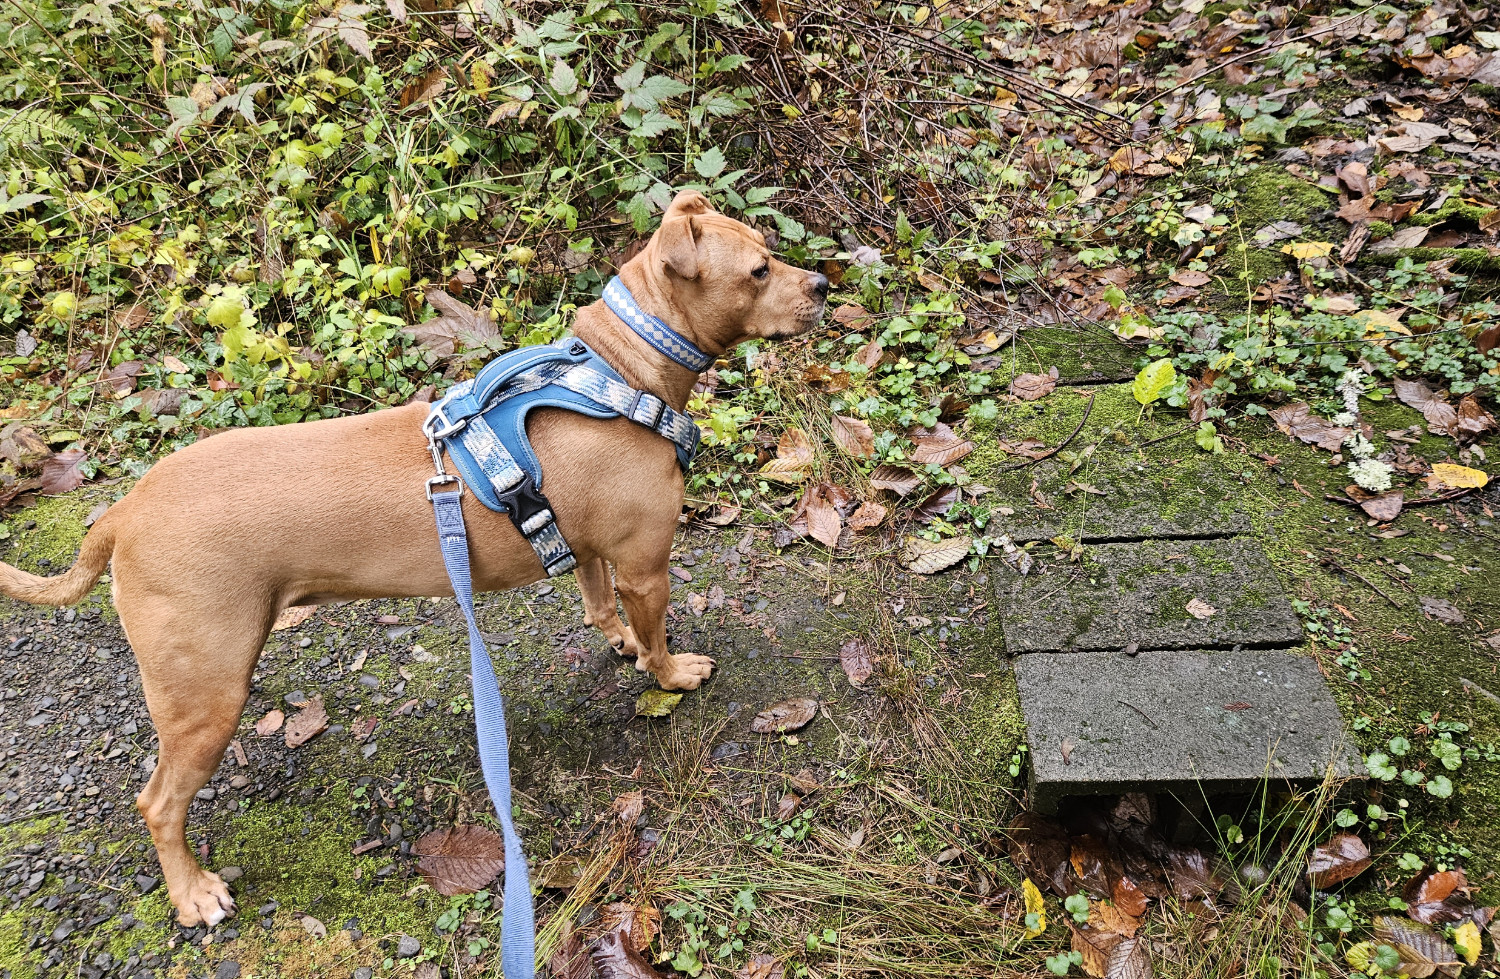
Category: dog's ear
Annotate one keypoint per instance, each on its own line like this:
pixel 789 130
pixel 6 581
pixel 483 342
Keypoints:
pixel 677 242
pixel 688 202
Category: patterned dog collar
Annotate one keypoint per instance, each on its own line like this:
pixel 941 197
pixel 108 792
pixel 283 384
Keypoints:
pixel 671 344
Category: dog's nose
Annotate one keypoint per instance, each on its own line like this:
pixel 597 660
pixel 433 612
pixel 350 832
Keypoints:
pixel 819 283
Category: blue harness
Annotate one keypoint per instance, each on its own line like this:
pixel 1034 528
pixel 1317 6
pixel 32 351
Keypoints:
pixel 482 425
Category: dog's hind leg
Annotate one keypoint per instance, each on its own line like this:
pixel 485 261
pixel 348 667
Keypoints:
pixel 599 606
pixel 645 589
pixel 195 668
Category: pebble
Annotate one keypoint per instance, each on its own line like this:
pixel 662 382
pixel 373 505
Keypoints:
pixel 364 972
pixel 206 793
pixel 407 947
pixel 227 970
pixel 230 874
pixel 69 926
pixel 146 884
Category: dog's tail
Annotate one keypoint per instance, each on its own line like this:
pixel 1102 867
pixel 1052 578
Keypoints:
pixel 70 587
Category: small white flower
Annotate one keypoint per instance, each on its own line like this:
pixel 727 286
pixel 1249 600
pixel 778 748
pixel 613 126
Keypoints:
pixel 1345 418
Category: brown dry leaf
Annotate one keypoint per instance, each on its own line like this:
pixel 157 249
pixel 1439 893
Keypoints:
pixel 1385 507
pixel 788 806
pixel 457 325
pixel 794 458
pixel 460 859
pixel 1342 858
pixel 269 724
pixel 853 436
pixel 869 515
pixel 569 959
pixel 313 926
pixel 1131 959
pixel 1190 874
pixel 1026 448
pixel 1421 949
pixel 1199 609
pixel 120 380
pixel 1472 421
pixel 1298 421
pixel 936 505
pixel 1112 918
pixel 938 445
pixel 894 478
pixel 930 557
pixel 870 354
pixel 1440 609
pixel 63 472
pixel 1033 387
pixel 1442 417
pixel 789 715
pixel 858 660
pixel 1094 948
pixel 22 447
pixel 761 966
pixel 1129 898
pixel 823 520
pixel 1191 278
pixel 1437 898
pixel 629 806
pixel 293 616
pixel 640 923
pixel 615 958
pixel 307 723
pixel 425 88
pixel 853 317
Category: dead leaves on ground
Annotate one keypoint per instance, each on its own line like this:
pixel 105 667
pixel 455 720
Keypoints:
pixel 1464 423
pixel 1342 858
pixel 307 723
pixel 785 717
pixel 460 859
pixel 1298 421
pixel 858 660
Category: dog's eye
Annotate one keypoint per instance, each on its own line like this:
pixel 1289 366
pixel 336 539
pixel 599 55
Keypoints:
pixel 763 271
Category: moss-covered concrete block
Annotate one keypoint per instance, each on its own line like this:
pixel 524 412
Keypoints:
pixel 1196 723
pixel 1161 594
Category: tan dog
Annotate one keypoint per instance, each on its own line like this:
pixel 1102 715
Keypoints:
pixel 218 538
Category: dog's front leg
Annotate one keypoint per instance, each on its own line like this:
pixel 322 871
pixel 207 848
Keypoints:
pixel 645 589
pixel 599 607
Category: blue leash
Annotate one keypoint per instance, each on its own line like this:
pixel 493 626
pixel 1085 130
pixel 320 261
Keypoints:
pixel 518 919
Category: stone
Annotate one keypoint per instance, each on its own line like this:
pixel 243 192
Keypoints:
pixel 1141 592
pixel 407 947
pixel 227 970
pixel 230 874
pixel 1194 722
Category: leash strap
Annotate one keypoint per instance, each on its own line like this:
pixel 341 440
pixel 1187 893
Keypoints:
pixel 667 341
pixel 518 919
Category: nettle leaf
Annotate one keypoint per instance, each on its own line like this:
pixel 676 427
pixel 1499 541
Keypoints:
pixel 564 80
pixel 709 165
pixel 654 90
pixel 1153 379
pixel 639 210
pixel 631 79
pixel 654 124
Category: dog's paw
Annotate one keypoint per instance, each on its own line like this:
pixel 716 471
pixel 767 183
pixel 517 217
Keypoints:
pixel 207 901
pixel 684 671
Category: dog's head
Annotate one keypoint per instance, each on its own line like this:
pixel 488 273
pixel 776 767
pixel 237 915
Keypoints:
pixel 718 272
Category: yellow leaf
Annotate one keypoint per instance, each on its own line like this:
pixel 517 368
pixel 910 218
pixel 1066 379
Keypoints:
pixel 1459 477
pixel 1034 906
pixel 1359 956
pixel 1307 249
pixel 1466 940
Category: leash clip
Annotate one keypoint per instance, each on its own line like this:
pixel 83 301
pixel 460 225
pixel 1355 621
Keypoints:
pixel 438 416
pixel 443 479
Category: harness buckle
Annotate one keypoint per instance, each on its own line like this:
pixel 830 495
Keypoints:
pixel 443 479
pixel 523 501
pixel 635 404
pixel 437 416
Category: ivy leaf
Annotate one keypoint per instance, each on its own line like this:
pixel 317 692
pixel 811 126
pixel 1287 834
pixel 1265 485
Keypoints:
pixel 564 80
pixel 1153 379
pixel 709 165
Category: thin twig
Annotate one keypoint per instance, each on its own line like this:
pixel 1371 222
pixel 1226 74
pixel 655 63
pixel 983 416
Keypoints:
pixel 1331 563
pixel 1062 445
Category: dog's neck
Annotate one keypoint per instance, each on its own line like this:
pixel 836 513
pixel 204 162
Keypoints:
pixel 641 364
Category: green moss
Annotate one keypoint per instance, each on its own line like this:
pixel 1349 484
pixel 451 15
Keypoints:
pixel 1467 260
pixel 16 960
pixel 1381 229
pixel 1271 194
pixel 58 532
pixel 1454 209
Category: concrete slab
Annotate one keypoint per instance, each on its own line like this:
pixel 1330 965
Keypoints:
pixel 1191 722
pixel 1147 593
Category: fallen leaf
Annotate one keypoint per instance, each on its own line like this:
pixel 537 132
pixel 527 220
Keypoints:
pixel 1094 948
pixel 794 458
pixel 1033 387
pixel 853 436
pixel 1303 250
pixel 1421 949
pixel 1437 897
pixel 895 479
pixel 868 516
pixel 63 472
pixel 823 520
pixel 1131 959
pixel 1129 898
pixel 1473 421
pixel 1342 858
pixel 1385 507
pixel 293 616
pixel 307 723
pixel 787 807
pixel 614 958
pixel 938 445
pixel 1034 906
pixel 22 447
pixel 460 859
pixel 1449 476
pixel 1440 609
pixel 426 88
pixel 639 923
pixel 789 715
pixel 269 724
pixel 858 662
pixel 1199 609
pixel 929 557
pixel 1191 278
pixel 1466 942
pixel 656 703
pixel 569 959
pixel 936 505
pixel 629 806
pixel 1276 231
pixel 456 326
pixel 1298 421
pixel 761 966
pixel 853 316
